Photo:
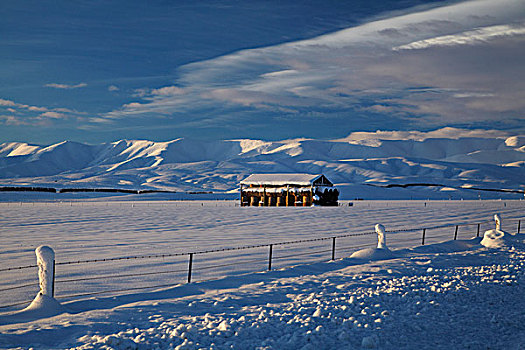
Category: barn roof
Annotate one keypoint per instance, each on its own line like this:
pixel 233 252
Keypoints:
pixel 281 179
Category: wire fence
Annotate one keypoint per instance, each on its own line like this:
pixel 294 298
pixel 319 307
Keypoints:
pixel 118 275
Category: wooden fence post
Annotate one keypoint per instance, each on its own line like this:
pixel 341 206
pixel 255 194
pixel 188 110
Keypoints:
pixel 333 248
pixel 423 238
pixel 53 286
pixel 190 265
pixel 270 258
pixel 456 233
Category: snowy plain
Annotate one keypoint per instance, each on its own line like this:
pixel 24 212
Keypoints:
pixel 456 294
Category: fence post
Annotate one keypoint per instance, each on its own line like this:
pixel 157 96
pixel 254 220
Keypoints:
pixel 45 257
pixel 53 285
pixel 519 224
pixel 270 258
pixel 423 238
pixel 477 234
pixel 333 248
pixel 190 265
pixel 456 233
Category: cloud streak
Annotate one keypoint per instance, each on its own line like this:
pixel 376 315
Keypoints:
pixel 6 103
pixel 474 37
pixel 22 114
pixel 443 133
pixel 65 86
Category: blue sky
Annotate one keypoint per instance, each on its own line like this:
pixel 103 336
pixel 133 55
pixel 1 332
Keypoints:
pixel 96 71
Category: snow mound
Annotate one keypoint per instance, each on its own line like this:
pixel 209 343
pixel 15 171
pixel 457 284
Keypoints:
pixel 496 238
pixel 373 254
pixel 381 252
pixel 42 306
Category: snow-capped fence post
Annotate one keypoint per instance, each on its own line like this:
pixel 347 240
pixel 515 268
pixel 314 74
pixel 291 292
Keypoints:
pixel 423 238
pixel 477 234
pixel 456 233
pixel 381 236
pixel 190 265
pixel 333 248
pixel 270 258
pixel 45 258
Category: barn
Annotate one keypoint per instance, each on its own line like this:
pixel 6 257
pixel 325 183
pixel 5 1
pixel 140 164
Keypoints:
pixel 268 190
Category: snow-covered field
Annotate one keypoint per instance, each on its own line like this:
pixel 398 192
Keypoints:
pixel 449 295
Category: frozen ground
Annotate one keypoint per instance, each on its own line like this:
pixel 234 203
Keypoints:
pixel 449 295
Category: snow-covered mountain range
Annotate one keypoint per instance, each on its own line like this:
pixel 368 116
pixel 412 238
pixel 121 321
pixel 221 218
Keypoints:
pixel 454 158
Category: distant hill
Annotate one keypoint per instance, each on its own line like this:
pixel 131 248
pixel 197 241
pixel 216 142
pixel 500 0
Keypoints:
pixel 453 161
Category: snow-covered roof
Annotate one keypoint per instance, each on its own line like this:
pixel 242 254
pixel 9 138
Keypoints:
pixel 281 179
pixel 293 189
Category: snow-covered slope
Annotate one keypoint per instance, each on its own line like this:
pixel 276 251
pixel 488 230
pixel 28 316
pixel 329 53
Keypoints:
pixel 449 157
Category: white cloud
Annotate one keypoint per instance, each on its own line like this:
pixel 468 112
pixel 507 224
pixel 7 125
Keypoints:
pixel 133 105
pixel 7 103
pixel 36 109
pixel 67 110
pixel 358 69
pixel 98 120
pixel 467 94
pixel 447 132
pixel 13 105
pixel 10 120
pixel 167 91
pixel 140 92
pixel 66 86
pixel 279 73
pixel 52 115
pixel 473 37
pixel 25 115
pixel 113 88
